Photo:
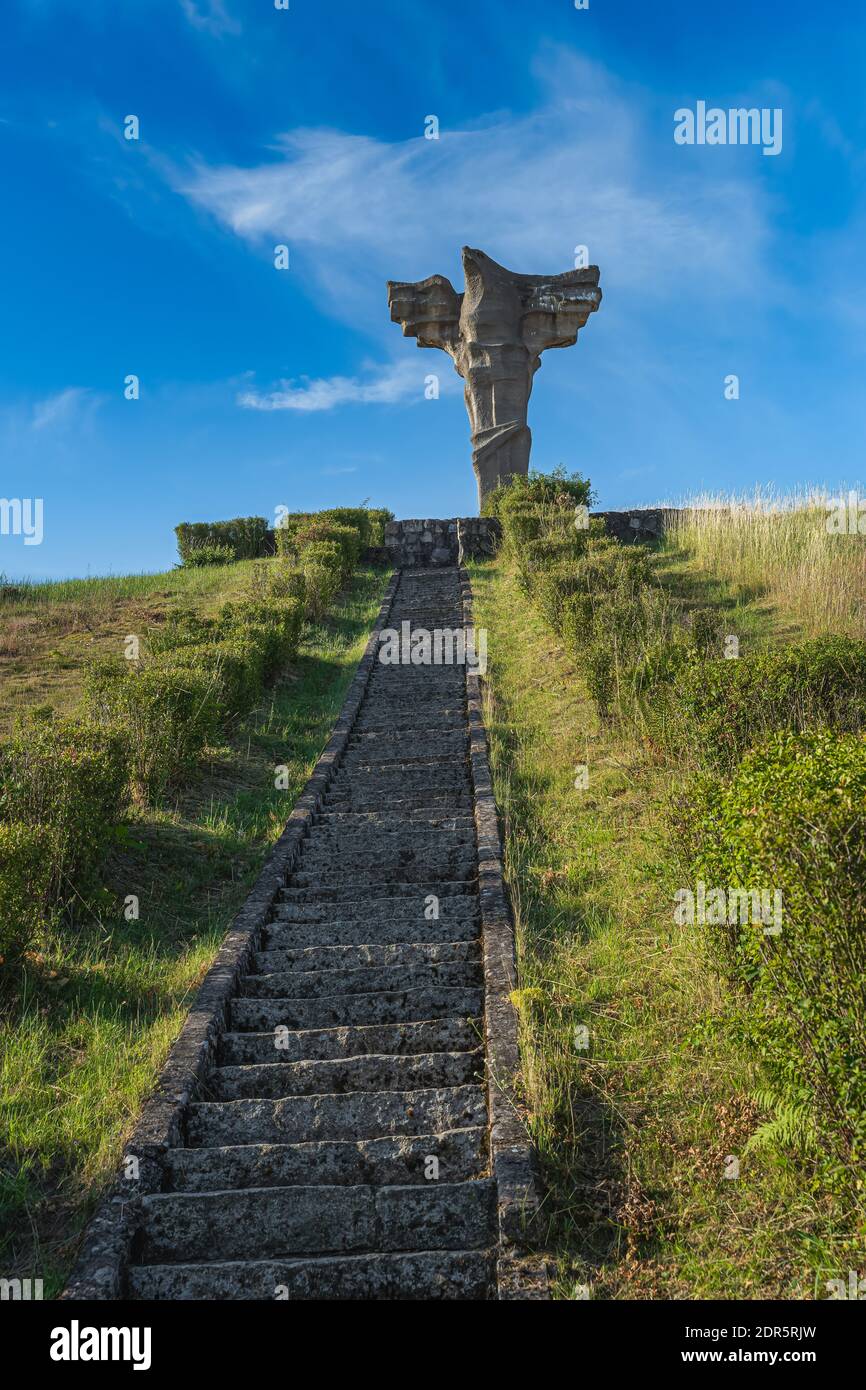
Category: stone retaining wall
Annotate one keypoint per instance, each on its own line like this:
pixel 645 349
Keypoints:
pixel 440 542
pixel 450 542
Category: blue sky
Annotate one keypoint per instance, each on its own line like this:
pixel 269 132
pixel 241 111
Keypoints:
pixel 262 388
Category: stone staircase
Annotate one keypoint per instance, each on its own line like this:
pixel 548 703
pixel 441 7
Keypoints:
pixel 337 1144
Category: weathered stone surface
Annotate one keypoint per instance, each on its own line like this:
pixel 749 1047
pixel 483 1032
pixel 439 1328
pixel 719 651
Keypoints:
pixel 399 1159
pixel 355 1115
pixel 409 544
pixel 273 1079
pixel 325 1044
pixel 495 332
pixel 439 1275
pixel 301 1160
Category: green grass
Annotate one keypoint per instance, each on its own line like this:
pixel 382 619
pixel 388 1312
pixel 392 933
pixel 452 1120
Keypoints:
pixel 635 1131
pixel 101 1006
pixel 779 547
pixel 48 632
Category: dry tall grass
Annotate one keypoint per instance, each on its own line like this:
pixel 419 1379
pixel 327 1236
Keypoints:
pixel 790 548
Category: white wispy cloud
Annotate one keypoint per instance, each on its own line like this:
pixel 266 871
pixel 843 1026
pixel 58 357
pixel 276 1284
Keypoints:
pixel 593 165
pixel 61 409
pixel 212 16
pixel 383 385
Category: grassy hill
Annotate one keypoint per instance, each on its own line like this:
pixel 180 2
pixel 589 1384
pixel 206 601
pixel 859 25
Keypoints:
pixel 677 1167
pixel 98 999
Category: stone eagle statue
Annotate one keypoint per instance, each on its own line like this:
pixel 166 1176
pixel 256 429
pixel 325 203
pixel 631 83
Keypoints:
pixel 495 332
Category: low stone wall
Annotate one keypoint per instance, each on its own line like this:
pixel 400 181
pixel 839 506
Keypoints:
pixel 443 542
pixel 642 524
pixel 440 542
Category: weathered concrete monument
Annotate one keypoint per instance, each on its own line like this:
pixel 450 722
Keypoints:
pixel 495 333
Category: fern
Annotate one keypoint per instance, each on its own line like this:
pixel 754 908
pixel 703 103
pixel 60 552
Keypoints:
pixel 792 1124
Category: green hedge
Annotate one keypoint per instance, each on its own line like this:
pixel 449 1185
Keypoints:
pixel 557 489
pixel 244 537
pixel 62 791
pixel 793 819
pixel 729 705
pixel 27 853
pixel 199 556
pixel 165 713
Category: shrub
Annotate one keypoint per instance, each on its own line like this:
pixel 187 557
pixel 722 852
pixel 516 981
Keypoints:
pixel 62 785
pixel 166 714
pixel 182 628
pixel 379 518
pixel 358 518
pixel 27 855
pixel 557 488
pixel 68 775
pixel 793 819
pixel 287 582
pixel 287 530
pixel 322 575
pixel 274 624
pixel 729 705
pixel 235 664
pixel 345 538
pixel 244 536
pixel 198 556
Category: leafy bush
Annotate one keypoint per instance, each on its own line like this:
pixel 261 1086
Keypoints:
pixel 245 537
pixel 346 538
pixel 68 775
pixel 235 665
pixel 358 518
pixel 274 624
pixel 287 530
pixel 729 705
pixel 198 556
pixel 287 582
pixel 62 792
pixel 165 713
pixel 793 819
pixel 27 854
pixel 182 628
pixel 558 489
pixel 379 518
pixel 321 563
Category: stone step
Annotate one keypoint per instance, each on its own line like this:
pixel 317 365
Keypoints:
pixel 268 1221
pixel 390 840
pixel 420 802
pixel 410 718
pixel 352 821
pixel 424 765
pixel 320 984
pixel 289 934
pixel 354 1115
pixel 378 912
pixel 339 893
pixel 359 957
pixel 418 1276
pixel 325 1044
pixel 461 1154
pixel 452 727
pixel 378 762
pixel 400 865
pixel 274 1079
pixel 351 1010
pixel 393 851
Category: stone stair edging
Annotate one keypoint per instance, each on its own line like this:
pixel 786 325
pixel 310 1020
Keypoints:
pixel 99 1271
pixel 513 1157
